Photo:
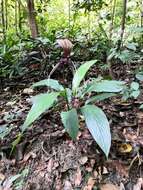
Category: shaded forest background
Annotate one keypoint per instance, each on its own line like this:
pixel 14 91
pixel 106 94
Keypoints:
pixel 111 27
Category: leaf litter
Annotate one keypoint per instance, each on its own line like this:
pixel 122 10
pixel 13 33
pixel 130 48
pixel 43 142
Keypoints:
pixel 56 162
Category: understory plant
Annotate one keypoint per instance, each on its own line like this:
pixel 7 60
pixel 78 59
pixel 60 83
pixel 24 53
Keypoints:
pixel 131 91
pixel 79 101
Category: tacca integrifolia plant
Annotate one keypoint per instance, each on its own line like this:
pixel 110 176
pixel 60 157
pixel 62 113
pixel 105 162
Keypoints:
pixel 77 103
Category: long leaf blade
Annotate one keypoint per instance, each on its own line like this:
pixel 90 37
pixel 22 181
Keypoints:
pixel 70 121
pixel 106 86
pixel 54 84
pixel 139 76
pixel 100 97
pixel 41 103
pixel 80 73
pixel 98 126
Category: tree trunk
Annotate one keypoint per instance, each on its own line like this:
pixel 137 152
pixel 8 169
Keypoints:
pixel 3 20
pixel 6 15
pixel 123 23
pixel 112 20
pixel 141 10
pixel 19 17
pixel 32 18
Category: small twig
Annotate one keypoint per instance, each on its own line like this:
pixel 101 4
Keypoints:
pixel 54 69
pixel 134 159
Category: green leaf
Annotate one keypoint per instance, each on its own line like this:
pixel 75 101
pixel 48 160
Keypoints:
pixel 70 121
pixel 132 46
pixel 98 126
pixel 41 103
pixel 141 106
pixel 139 76
pixel 134 85
pixel 4 130
pixel 80 74
pixel 135 93
pixel 106 86
pixel 100 97
pixel 69 95
pixel 54 84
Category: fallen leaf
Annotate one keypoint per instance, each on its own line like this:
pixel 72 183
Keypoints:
pixel 2 177
pixel 119 167
pixel 139 184
pixel 7 185
pixel 83 160
pixel 50 165
pixel 10 103
pixel 28 156
pixel 122 187
pixel 129 135
pixel 88 169
pixel 109 187
pixel 90 184
pixel 27 91
pixel 78 177
pixel 95 173
pixel 125 148
pixel 67 186
pixel 105 171
pixel 58 185
pixel 92 162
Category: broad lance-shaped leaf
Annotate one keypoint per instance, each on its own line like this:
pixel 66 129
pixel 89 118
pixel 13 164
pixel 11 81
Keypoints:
pixel 98 126
pixel 139 76
pixel 70 121
pixel 106 86
pixel 41 103
pixel 100 97
pixel 80 73
pixel 54 84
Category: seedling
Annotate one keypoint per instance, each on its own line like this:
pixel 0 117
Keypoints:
pixel 78 103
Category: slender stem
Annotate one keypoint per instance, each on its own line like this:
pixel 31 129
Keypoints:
pixel 67 102
pixel 54 69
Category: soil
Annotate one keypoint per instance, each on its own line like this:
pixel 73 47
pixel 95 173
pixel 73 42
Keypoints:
pixel 47 159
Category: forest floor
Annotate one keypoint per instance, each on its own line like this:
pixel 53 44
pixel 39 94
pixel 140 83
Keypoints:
pixel 47 159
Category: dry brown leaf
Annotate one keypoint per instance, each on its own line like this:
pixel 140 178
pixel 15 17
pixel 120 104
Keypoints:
pixel 109 187
pixel 89 169
pixel 83 160
pixel 92 162
pixel 50 165
pixel 125 148
pixel 95 173
pixel 90 184
pixel 105 171
pixel 139 184
pixel 122 187
pixel 28 156
pixel 58 184
pixel 67 186
pixel 78 177
pixel 2 177
pixel 7 185
pixel 120 167
pixel 28 91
